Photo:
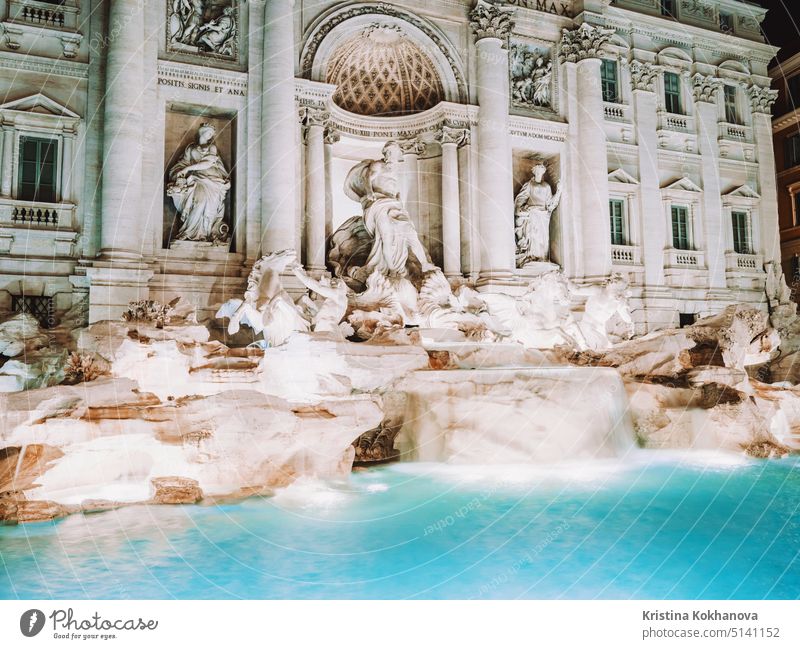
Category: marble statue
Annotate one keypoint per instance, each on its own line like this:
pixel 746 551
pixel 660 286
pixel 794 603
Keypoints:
pixel 603 304
pixel 191 28
pixel 330 310
pixel 533 207
pixel 198 186
pixel 441 308
pixel 541 318
pixel 267 308
pixel 531 78
pixel 218 35
pixel 778 292
pixel 185 19
pixel 385 223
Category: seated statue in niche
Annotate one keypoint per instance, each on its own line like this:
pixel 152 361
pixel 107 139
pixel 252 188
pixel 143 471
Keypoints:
pixel 198 186
pixel 533 208
pixel 383 239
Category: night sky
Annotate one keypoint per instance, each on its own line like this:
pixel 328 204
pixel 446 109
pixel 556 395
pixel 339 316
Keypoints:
pixel 782 26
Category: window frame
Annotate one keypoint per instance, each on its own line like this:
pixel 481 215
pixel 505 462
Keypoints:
pixel 53 147
pixel 791 155
pixel 676 94
pixel 743 228
pixel 687 213
pixel 731 108
pixel 668 8
pixel 605 82
pixel 623 229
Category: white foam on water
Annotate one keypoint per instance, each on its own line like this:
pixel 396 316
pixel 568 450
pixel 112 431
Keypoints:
pixel 311 493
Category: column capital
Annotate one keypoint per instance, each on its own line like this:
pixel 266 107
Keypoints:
pixel 644 75
pixel 491 20
pixel 412 146
pixel 584 42
pixel 314 116
pixel 705 88
pixel 761 99
pixel 452 135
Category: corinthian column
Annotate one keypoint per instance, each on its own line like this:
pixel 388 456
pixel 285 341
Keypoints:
pixel 492 25
pixel 581 49
pixel 314 121
pixel 706 92
pixel 761 101
pixel 121 234
pixel 278 127
pixel 450 139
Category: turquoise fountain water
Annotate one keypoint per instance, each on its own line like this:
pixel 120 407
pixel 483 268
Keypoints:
pixel 660 525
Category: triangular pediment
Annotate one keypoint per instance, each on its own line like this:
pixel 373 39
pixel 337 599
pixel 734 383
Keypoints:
pixel 684 184
pixel 622 176
pixel 40 104
pixel 745 191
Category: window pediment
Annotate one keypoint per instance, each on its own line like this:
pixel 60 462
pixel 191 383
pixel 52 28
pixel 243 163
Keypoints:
pixel 39 104
pixel 684 184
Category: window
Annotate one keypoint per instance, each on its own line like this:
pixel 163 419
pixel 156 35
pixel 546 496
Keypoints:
pixel 793 85
pixel 791 149
pixel 726 23
pixel 668 8
pixel 731 105
pixel 609 79
pixel 686 319
pixel 741 232
pixel 616 210
pixel 37 169
pixel 796 200
pixel 39 306
pixel 672 93
pixel 680 227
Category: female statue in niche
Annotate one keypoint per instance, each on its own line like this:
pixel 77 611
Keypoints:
pixel 198 185
pixel 533 207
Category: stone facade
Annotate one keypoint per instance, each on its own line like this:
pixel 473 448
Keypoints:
pixel 659 127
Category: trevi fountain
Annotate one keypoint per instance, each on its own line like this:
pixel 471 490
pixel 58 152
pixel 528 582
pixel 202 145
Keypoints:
pixel 393 432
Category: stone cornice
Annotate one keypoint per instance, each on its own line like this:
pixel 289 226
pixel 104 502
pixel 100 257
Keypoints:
pixel 53 67
pixel 682 34
pixel 785 121
pixel 406 126
pixel 491 20
pixel 202 73
pixel 585 42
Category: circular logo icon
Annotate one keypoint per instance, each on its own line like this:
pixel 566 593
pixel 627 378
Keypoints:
pixel 31 622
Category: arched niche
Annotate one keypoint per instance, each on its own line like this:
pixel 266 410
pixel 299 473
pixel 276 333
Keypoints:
pixel 341 24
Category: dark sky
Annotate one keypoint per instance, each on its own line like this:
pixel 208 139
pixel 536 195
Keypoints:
pixel 782 26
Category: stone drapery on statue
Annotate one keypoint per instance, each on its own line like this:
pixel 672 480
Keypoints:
pixel 383 238
pixel 533 207
pixel 198 186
